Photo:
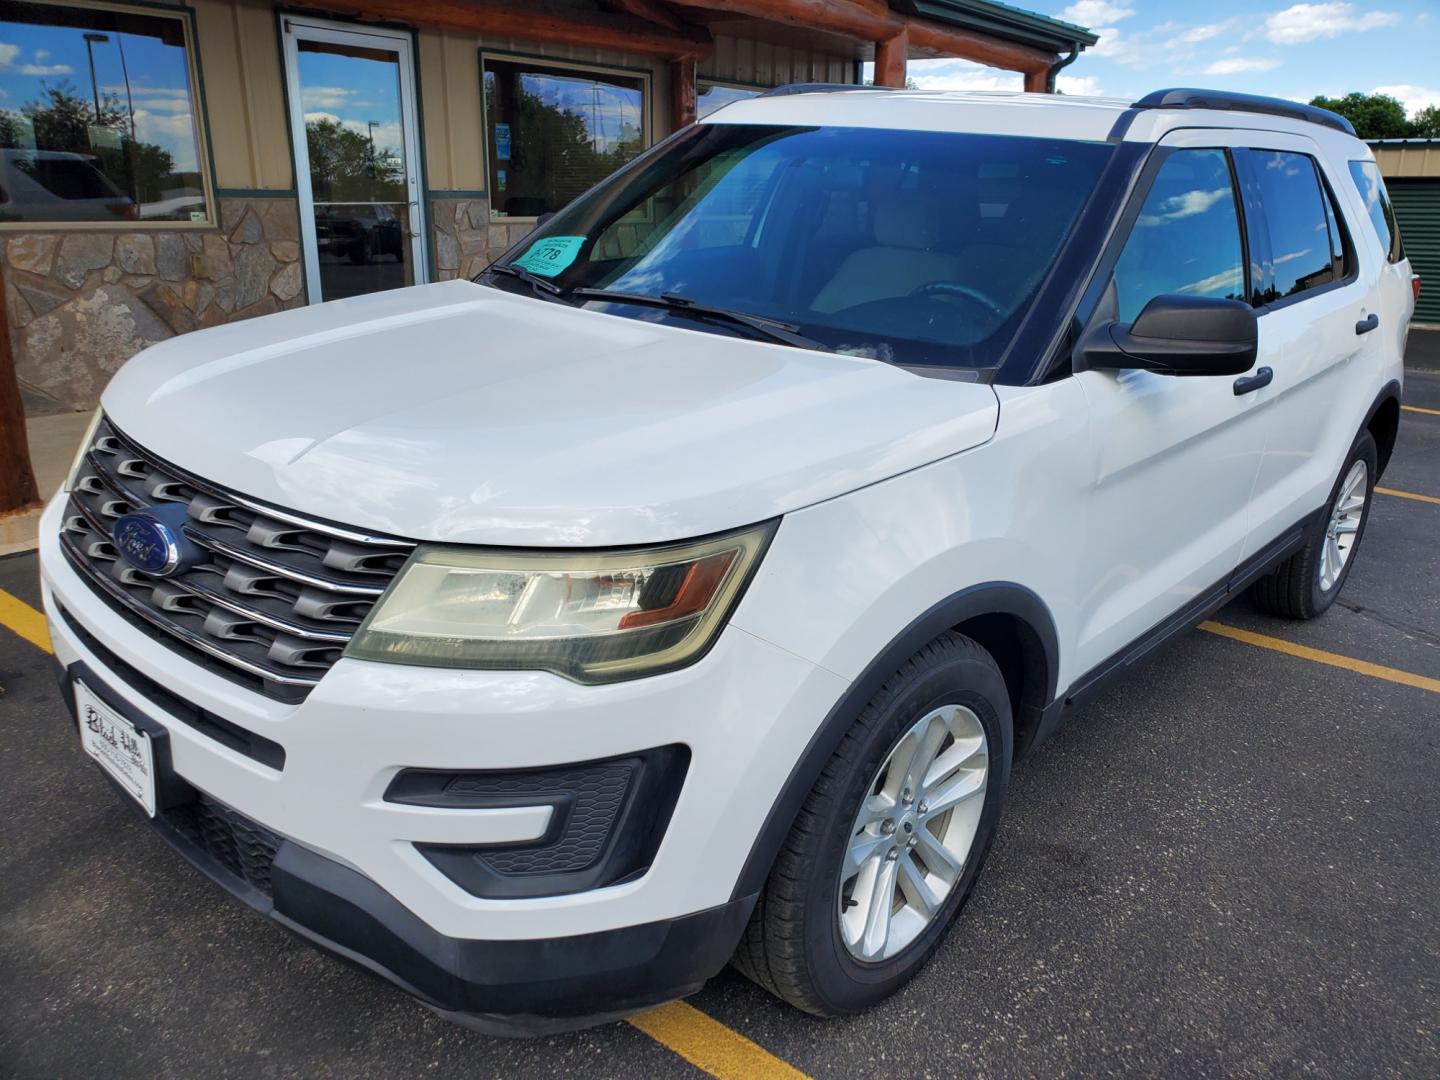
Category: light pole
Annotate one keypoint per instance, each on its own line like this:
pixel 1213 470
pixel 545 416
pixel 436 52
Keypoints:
pixel 91 40
pixel 129 101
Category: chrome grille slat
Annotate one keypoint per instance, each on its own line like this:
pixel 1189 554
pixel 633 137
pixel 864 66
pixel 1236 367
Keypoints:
pixel 279 598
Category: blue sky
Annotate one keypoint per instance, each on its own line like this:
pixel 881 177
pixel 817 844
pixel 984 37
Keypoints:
pixel 1256 46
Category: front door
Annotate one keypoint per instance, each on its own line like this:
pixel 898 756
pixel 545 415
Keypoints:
pixel 357 162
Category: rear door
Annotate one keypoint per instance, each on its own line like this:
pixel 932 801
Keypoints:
pixel 1314 302
pixel 1175 459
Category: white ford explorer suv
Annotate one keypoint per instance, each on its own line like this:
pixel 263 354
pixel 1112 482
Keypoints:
pixel 684 589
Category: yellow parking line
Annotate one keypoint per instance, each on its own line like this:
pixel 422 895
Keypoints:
pixel 1417 408
pixel 710 1045
pixel 20 617
pixel 1406 495
pixel 1320 656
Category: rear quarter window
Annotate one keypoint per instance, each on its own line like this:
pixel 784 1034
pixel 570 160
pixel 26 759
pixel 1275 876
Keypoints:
pixel 1366 175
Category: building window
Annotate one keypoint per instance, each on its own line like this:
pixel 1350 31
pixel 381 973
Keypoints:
pixel 553 132
pixel 712 95
pixel 99 120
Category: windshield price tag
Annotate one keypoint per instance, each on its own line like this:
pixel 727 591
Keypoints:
pixel 551 255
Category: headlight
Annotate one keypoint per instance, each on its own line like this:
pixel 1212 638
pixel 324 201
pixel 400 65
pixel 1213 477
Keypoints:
pixel 69 484
pixel 592 617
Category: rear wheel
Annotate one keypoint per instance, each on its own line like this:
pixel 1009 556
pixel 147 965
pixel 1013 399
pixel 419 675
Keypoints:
pixel 886 848
pixel 1307 583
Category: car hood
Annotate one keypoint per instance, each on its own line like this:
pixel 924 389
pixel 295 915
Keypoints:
pixel 461 413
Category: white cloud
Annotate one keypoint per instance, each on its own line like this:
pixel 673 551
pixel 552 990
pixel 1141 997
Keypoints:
pixel 1238 64
pixel 8 53
pixel 1095 12
pixel 387 136
pixel 174 133
pixel 1306 22
pixel 1204 32
pixel 326 97
pixel 1079 85
pixel 962 75
pixel 46 69
pixel 1414 98
pixel 41 54
pixel 1113 45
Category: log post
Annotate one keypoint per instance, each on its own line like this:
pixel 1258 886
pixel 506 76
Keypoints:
pixel 1037 82
pixel 890 57
pixel 18 490
pixel 683 94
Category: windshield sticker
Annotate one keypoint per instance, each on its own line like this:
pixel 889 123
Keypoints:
pixel 550 256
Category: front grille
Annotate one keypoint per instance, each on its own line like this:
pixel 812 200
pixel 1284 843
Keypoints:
pixel 231 841
pixel 279 595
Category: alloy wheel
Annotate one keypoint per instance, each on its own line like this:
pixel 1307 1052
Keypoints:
pixel 912 835
pixel 1345 518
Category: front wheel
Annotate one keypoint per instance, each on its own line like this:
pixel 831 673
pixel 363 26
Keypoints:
pixel 1307 583
pixel 888 844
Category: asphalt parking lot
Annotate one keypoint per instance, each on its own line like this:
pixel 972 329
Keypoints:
pixel 1229 865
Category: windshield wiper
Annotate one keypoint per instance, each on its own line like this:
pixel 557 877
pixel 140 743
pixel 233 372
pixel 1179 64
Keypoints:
pixel 535 281
pixel 771 329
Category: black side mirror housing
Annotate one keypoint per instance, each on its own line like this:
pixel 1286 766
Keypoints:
pixel 1177 335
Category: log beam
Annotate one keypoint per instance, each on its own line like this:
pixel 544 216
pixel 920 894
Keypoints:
pixel 865 20
pixel 1037 82
pixel 650 10
pixel 535 21
pixel 683 93
pixel 890 57
pixel 18 490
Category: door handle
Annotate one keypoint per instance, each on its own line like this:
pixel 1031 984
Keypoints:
pixel 1248 383
pixel 1365 325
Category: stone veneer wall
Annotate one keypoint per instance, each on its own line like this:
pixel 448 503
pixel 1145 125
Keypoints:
pixel 82 303
pixel 466 240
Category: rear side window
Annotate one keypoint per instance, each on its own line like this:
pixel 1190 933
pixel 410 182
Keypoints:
pixel 1298 255
pixel 1187 237
pixel 1366 175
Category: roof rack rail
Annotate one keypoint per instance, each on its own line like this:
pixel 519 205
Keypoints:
pixel 1189 98
pixel 820 88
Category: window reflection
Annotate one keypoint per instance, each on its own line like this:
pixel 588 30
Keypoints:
pixel 1288 186
pixel 97 117
pixel 1366 175
pixel 554 133
pixel 1187 237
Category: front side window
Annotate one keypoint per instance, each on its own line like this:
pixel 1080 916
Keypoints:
pixel 1366 175
pixel 554 132
pixel 917 247
pixel 1187 238
pixel 98 117
pixel 1297 229
pixel 712 96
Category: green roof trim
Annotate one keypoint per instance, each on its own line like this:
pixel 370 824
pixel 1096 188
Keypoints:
pixel 1003 21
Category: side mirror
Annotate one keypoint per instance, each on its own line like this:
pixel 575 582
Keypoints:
pixel 1177 335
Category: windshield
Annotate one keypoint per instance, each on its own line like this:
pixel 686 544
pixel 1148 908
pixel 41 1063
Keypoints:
pixel 915 247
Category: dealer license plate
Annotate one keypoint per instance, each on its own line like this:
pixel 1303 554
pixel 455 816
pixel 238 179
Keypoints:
pixel 122 749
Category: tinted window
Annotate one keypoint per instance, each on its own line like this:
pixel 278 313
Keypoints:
pixel 1296 223
pixel 920 247
pixel 552 132
pixel 1377 204
pixel 1339 259
pixel 97 117
pixel 1187 237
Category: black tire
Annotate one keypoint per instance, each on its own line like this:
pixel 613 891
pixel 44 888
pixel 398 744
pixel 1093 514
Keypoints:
pixel 1293 589
pixel 793 946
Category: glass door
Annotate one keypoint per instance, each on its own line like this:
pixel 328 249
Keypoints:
pixel 352 115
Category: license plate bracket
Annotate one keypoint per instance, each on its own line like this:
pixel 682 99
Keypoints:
pixel 83 688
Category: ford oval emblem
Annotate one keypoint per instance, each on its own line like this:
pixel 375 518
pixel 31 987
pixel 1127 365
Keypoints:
pixel 154 541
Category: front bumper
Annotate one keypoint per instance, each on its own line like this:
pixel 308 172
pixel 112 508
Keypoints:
pixel 348 873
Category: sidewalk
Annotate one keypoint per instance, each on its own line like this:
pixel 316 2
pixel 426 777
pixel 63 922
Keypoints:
pixel 53 439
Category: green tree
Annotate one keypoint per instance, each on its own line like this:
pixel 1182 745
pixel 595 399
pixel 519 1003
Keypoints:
pixel 345 166
pixel 1426 124
pixel 1375 116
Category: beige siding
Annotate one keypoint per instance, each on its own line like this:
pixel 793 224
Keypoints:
pixel 1417 160
pixel 244 93
pixel 764 63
